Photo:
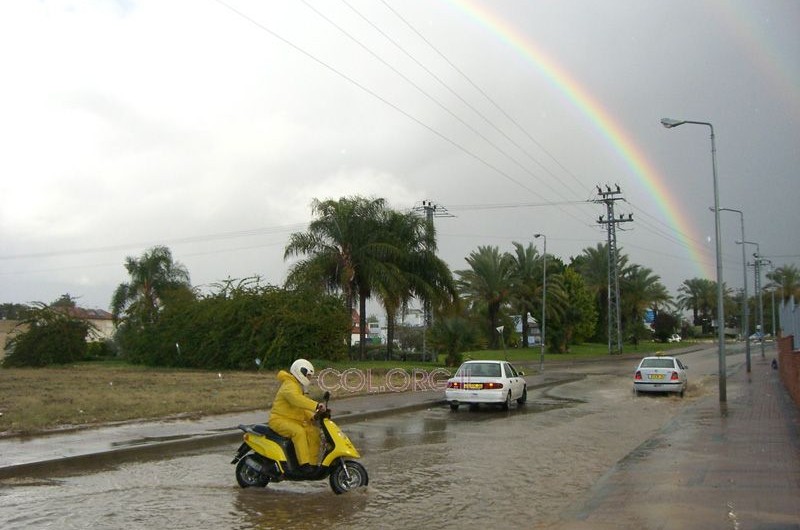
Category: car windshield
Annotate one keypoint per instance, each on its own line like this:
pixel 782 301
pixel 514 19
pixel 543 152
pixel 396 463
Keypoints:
pixel 479 370
pixel 657 363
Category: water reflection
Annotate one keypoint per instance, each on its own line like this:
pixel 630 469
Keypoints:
pixel 305 507
pixel 427 468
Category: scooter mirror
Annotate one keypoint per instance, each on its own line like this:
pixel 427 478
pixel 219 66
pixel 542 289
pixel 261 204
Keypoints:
pixel 326 396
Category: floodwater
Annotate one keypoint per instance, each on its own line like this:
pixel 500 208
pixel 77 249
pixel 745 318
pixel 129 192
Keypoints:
pixel 432 468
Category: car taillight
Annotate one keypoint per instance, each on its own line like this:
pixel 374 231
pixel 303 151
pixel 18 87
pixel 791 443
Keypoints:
pixel 453 384
pixel 674 376
pixel 638 375
pixel 492 386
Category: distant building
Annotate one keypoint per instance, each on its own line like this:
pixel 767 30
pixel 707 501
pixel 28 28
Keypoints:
pixel 376 334
pixel 101 320
pixel 413 318
pixel 534 333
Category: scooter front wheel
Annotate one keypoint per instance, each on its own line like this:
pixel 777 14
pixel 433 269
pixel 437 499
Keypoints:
pixel 247 477
pixel 348 475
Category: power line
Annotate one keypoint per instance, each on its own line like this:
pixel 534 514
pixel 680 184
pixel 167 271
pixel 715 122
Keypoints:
pixel 422 91
pixel 377 96
pixel 431 129
pixel 127 246
pixel 467 207
pixel 482 92
pixel 469 105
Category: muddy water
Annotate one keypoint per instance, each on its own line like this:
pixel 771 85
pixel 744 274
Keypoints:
pixel 432 468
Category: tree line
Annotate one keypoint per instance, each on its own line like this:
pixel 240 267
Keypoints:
pixel 356 249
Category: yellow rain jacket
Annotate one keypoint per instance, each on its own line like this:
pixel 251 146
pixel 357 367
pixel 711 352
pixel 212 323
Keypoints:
pixel 291 417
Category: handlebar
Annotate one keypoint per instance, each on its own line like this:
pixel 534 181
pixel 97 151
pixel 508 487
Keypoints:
pixel 319 416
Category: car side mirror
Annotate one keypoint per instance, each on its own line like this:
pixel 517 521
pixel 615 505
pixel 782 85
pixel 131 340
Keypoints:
pixel 521 373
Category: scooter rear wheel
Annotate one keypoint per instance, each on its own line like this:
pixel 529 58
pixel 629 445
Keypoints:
pixel 340 483
pixel 248 477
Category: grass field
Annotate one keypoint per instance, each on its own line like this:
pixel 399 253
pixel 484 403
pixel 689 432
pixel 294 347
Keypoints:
pixel 41 399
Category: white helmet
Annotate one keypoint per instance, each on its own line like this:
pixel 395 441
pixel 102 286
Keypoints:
pixel 301 369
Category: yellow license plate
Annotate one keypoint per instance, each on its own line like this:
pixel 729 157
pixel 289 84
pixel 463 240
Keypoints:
pixel 656 376
pixel 473 386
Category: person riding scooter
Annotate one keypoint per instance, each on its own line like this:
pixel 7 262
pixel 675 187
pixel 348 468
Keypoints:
pixel 292 413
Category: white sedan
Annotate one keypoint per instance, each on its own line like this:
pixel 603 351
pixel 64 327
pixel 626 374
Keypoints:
pixel 660 374
pixel 489 382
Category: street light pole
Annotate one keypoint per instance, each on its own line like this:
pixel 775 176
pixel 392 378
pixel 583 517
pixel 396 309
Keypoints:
pixel 757 282
pixel 670 123
pixel 766 261
pixel 772 291
pixel 745 308
pixel 759 261
pixel 544 299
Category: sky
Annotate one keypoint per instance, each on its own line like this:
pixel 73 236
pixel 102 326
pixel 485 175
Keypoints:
pixel 210 126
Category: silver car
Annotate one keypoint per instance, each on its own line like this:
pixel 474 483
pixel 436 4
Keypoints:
pixel 660 374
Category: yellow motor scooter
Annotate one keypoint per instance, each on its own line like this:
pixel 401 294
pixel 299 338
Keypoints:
pixel 265 456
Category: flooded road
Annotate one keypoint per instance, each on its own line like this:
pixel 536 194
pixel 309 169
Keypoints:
pixel 431 468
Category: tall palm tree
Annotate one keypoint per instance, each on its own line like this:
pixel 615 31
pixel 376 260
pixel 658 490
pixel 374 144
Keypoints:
pixel 593 266
pixel 488 282
pixel 640 290
pixel 787 280
pixel 154 277
pixel 419 272
pixel 527 284
pixel 344 250
pixel 699 296
pixel 573 309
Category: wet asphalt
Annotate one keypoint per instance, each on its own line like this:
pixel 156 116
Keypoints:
pixel 715 465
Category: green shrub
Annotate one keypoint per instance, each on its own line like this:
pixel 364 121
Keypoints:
pixel 51 337
pixel 233 328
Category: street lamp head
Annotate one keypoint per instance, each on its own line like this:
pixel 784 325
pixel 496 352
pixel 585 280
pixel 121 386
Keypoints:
pixel 669 123
pixel 537 236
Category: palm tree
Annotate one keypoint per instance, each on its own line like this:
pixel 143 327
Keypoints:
pixel 527 287
pixel 572 308
pixel 344 251
pixel 487 283
pixel 786 280
pixel 640 290
pixel 699 296
pixel 154 277
pixel 593 266
pixel 527 284
pixel 419 272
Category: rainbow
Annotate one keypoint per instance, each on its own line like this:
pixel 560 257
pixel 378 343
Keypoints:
pixel 758 43
pixel 604 123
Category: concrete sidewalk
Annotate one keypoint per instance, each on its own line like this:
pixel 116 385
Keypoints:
pixel 734 465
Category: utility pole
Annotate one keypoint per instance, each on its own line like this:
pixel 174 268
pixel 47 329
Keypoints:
pixel 609 197
pixel 758 262
pixel 760 313
pixel 431 210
